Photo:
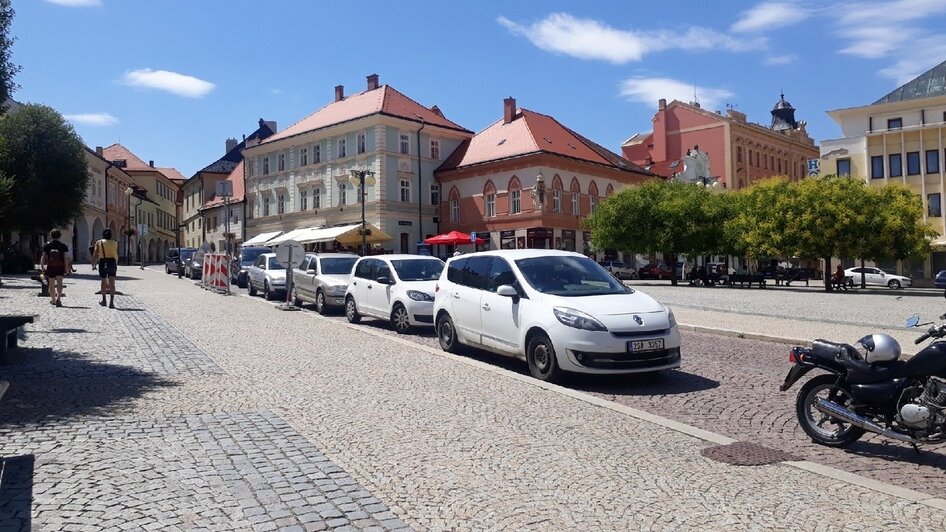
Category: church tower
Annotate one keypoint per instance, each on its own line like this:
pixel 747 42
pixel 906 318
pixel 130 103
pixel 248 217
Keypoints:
pixel 783 116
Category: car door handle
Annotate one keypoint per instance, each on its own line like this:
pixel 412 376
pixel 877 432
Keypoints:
pixel 369 287
pixel 354 283
pixel 456 295
pixel 485 306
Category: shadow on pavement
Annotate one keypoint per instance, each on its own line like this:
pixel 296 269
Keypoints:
pixel 16 492
pixel 668 382
pixel 60 331
pixel 49 386
pixel 896 452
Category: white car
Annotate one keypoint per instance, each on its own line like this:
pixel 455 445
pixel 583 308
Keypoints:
pixel 399 288
pixel 322 279
pixel 266 275
pixel 556 310
pixel 876 276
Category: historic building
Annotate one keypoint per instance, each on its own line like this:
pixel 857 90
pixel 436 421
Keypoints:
pixel 739 152
pixel 157 190
pixel 216 211
pixel 527 181
pixel 301 176
pixel 899 139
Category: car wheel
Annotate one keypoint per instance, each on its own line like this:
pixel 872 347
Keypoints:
pixel 401 319
pixel 295 297
pixel 351 310
pixel 251 289
pixel 447 334
pixel 894 284
pixel 540 354
pixel 167 270
pixel 320 302
pixel 267 294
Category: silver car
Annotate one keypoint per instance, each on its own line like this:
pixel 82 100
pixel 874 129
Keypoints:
pixel 322 279
pixel 266 275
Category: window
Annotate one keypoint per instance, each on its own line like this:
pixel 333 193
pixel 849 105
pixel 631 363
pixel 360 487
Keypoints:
pixel 303 200
pixel 844 167
pixel 281 204
pixel 405 144
pixel 361 143
pixel 738 154
pixel 265 165
pixel 434 149
pixel 342 194
pixel 932 161
pixel 500 273
pixel 557 201
pixel 576 208
pixel 434 194
pixel 476 272
pixel 342 148
pixel 304 157
pixel 405 190
pixel 896 164
pixel 594 204
pixel 316 154
pixel 280 162
pixel 454 210
pixel 515 205
pixel 877 167
pixel 913 163
pixel 490 205
pixel 266 206
pixel 933 205
pixel 894 123
pixel 317 198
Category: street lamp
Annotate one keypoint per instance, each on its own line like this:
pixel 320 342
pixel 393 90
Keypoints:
pixel 358 179
pixel 130 192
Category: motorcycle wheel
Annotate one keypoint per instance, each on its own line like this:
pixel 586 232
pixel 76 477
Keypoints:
pixel 820 427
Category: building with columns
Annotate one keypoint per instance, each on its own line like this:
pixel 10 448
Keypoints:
pixel 300 177
pixel 740 152
pixel 527 181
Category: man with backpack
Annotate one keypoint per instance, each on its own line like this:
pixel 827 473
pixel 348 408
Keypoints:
pixel 54 264
pixel 106 255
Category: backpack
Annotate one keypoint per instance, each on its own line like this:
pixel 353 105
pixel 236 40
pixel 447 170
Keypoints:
pixel 55 260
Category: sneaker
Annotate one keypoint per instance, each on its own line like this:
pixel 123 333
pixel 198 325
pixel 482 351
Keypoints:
pixel 111 305
pixel 52 301
pixel 58 303
pixel 102 302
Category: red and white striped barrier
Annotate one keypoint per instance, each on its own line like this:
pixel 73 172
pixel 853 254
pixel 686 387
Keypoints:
pixel 216 274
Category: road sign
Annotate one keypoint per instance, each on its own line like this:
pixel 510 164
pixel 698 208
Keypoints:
pixel 814 167
pixel 473 237
pixel 142 229
pixel 224 189
pixel 290 254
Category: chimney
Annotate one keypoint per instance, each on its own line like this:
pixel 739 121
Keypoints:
pixel 509 109
pixel 372 82
pixel 151 164
pixel 100 151
pixel 339 93
pixel 231 144
pixel 436 110
pixel 662 104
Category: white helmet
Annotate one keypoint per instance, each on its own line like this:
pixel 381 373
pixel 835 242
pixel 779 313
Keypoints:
pixel 878 348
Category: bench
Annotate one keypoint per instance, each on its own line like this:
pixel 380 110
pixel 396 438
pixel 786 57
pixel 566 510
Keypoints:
pixel 747 278
pixel 9 326
pixel 788 278
pixel 43 285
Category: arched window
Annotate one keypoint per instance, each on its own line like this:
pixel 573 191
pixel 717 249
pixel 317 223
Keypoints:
pixel 515 196
pixel 557 194
pixel 454 205
pixel 608 192
pixel 489 199
pixel 593 196
pixel 575 189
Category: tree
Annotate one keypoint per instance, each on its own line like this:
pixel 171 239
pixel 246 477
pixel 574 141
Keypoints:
pixel 895 228
pixel 45 160
pixel 7 68
pixel 757 226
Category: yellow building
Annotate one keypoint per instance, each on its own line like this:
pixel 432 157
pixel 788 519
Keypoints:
pixel 899 139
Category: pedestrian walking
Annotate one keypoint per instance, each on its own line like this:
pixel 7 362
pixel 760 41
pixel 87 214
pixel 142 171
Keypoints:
pixel 106 255
pixel 54 264
pixel 92 252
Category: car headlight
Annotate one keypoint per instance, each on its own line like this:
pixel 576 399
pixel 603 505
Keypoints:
pixel 577 319
pixel 195 264
pixel 671 318
pixel 419 296
pixel 337 289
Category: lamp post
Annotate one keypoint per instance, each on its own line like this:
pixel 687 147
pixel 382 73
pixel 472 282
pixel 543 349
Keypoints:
pixel 359 178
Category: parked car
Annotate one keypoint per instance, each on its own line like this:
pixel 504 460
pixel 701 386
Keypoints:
pixel 619 269
pixel 175 259
pixel 266 275
pixel 322 279
pixel 194 266
pixel 655 271
pixel 940 280
pixel 876 276
pixel 245 258
pixel 399 288
pixel 556 310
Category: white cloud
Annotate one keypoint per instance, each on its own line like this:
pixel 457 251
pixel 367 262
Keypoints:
pixel 769 15
pixel 591 39
pixel 923 55
pixel 275 92
pixel 880 29
pixel 786 59
pixel 76 3
pixel 92 119
pixel 650 90
pixel 179 84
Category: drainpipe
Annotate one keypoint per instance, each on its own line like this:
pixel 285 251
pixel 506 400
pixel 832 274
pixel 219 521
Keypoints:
pixel 420 192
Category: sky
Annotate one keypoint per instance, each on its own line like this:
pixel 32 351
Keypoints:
pixel 173 79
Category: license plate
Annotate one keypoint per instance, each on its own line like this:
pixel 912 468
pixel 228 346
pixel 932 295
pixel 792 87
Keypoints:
pixel 639 346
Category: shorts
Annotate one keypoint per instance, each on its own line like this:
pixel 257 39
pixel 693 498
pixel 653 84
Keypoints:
pixel 52 273
pixel 108 268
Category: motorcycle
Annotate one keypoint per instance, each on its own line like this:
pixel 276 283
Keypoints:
pixel 867 388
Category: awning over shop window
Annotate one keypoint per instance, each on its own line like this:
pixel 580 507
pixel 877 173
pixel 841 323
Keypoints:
pixel 291 235
pixel 261 238
pixel 348 235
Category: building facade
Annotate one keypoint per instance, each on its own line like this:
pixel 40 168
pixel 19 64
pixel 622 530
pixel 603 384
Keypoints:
pixel 216 211
pixel 899 139
pixel 740 153
pixel 301 176
pixel 527 181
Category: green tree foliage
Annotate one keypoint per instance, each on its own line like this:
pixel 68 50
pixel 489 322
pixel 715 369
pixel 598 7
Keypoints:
pixel 45 159
pixel 7 68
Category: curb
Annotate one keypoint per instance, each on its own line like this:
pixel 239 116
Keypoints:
pixel 745 335
pixel 689 430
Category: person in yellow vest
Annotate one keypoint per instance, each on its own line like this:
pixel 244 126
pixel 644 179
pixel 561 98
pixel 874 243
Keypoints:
pixel 106 255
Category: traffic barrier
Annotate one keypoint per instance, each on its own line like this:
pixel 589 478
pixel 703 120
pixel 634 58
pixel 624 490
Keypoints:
pixel 216 274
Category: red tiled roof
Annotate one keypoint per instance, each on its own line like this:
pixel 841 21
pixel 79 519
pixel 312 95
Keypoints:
pixel 239 192
pixel 666 168
pixel 173 175
pixel 530 132
pixel 132 161
pixel 383 100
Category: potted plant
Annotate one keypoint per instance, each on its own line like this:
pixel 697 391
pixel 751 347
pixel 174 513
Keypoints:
pixel 229 236
pixel 130 231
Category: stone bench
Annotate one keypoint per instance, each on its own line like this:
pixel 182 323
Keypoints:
pixel 9 327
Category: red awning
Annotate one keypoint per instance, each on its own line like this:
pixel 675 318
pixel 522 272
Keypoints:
pixel 453 238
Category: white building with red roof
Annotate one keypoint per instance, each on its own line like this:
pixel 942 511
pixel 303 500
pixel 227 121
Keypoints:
pixel 490 182
pixel 300 177
pixel 215 212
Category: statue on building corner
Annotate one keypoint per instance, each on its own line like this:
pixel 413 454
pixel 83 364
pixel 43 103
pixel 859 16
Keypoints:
pixel 538 193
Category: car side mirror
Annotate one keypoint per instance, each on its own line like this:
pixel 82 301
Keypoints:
pixel 384 280
pixel 310 272
pixel 913 321
pixel 507 291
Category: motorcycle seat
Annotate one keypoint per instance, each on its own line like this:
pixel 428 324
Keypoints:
pixel 832 351
pixel 858 370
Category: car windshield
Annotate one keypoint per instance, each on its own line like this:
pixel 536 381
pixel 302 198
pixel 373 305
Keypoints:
pixel 274 264
pixel 247 256
pixel 338 266
pixel 569 276
pixel 187 254
pixel 418 269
